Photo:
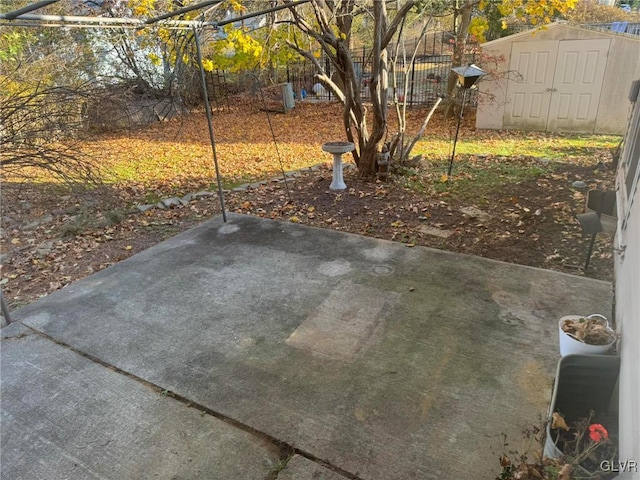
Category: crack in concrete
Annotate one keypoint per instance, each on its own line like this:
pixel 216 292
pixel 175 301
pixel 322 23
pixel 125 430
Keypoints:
pixel 285 450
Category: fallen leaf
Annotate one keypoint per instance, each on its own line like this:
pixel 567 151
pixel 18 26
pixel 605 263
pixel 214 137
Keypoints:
pixel 565 472
pixel 558 422
pixel 128 247
pixel 534 474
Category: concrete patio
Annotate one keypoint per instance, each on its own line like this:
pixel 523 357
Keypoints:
pixel 235 347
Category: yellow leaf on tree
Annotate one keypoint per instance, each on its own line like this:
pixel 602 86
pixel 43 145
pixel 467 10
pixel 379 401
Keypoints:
pixel 477 27
pixel 207 65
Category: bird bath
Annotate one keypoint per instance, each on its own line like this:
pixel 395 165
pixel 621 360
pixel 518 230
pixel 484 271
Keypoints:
pixel 338 149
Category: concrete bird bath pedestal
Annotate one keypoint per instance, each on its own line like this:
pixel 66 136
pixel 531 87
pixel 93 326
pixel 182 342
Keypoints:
pixel 338 149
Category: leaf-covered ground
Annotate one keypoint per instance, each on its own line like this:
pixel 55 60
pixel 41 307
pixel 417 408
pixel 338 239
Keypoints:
pixel 517 185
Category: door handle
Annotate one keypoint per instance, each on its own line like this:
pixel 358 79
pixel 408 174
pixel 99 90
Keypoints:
pixel 551 90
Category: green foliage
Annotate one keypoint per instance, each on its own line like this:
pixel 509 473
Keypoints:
pixel 499 19
pixel 276 51
pixel 236 52
pixel 590 11
pixel 490 25
pixel 434 7
pixel 12 45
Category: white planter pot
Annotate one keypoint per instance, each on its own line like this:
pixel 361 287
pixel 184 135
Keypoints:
pixel 570 345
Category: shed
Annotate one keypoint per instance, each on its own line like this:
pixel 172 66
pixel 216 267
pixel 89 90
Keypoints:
pixel 560 78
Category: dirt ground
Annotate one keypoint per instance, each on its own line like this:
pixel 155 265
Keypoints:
pixel 51 238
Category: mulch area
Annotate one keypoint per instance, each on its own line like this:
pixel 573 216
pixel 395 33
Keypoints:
pixel 51 238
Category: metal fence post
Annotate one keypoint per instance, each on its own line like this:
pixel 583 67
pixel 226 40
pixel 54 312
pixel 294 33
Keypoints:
pixel 413 72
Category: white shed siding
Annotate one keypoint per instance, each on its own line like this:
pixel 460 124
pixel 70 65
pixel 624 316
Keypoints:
pixel 622 60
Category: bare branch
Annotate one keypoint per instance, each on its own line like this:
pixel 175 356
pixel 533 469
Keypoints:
pixel 423 128
pixel 400 15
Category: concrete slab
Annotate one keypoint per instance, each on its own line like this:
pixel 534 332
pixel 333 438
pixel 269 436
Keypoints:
pixel 380 360
pixel 64 416
pixel 300 468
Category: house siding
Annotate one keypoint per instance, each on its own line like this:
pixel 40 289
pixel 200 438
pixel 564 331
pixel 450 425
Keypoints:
pixel 627 296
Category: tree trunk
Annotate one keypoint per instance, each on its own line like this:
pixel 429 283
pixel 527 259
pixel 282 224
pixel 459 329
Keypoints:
pixel 379 88
pixel 458 53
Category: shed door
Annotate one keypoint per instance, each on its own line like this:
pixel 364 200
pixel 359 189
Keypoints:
pixel 529 88
pixel 577 85
pixel 555 85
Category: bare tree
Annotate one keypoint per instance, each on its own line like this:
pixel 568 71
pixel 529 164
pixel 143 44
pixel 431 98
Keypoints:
pixel 38 129
pixel 331 28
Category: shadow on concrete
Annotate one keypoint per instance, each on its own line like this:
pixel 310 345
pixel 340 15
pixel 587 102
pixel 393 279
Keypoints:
pixel 227 349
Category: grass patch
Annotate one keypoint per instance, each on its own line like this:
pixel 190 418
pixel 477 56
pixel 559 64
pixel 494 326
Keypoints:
pixel 113 217
pixel 476 178
pixel 76 225
pixel 174 158
pixel 151 198
pixel 520 144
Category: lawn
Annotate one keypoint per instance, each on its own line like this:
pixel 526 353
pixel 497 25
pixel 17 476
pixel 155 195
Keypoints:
pixel 520 182
pixel 176 156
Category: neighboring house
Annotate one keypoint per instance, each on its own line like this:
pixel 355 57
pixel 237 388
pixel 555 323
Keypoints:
pixel 560 78
pixel 627 288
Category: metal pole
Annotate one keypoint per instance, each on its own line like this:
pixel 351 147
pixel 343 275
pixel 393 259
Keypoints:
pixel 207 107
pixel 590 251
pixel 4 309
pixel 180 11
pixel 73 20
pixel 455 141
pixel 273 135
pixel 262 12
pixel 413 77
pixel 29 8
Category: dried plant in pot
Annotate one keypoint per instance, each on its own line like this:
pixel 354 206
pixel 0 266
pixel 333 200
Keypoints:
pixel 585 335
pixel 586 445
pixel 586 450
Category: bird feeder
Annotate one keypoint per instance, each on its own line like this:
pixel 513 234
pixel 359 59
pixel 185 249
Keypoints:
pixel 469 75
pixel 467 78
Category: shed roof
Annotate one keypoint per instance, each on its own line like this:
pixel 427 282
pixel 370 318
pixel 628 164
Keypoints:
pixel 561 25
